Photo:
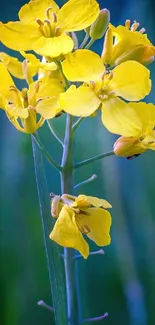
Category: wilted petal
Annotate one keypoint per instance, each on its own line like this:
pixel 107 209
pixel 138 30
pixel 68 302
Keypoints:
pixel 67 234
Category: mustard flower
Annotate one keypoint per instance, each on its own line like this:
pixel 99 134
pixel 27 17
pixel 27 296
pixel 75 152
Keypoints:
pixel 78 216
pixel 124 43
pixel 43 27
pixel 102 89
pixel 131 146
pixel 22 107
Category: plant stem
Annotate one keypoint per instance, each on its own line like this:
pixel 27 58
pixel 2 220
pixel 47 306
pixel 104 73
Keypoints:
pixel 88 161
pixel 46 154
pixel 67 187
pixel 90 44
pixel 54 132
pixel 85 40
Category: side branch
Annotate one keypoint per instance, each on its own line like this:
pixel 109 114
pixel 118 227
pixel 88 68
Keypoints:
pixel 88 161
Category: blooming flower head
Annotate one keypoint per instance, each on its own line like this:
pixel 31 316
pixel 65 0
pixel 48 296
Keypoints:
pixel 43 27
pixel 23 107
pixel 129 80
pixel 124 43
pixel 78 216
pixel 131 146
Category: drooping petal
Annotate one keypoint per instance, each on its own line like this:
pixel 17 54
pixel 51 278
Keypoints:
pixel 18 36
pixel 13 65
pixel 149 141
pixel 146 114
pixel 118 117
pixel 86 201
pixel 36 9
pixel 16 111
pixel 131 81
pixel 83 65
pixel 76 15
pixel 53 46
pixel 67 234
pixel 79 101
pixel 48 107
pixel 6 81
pixel 95 223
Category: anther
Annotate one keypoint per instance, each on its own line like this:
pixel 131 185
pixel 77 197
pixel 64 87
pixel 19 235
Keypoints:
pixel 93 84
pixel 127 23
pixel 13 88
pixel 142 30
pixel 57 31
pixel 134 26
pixel 39 22
pixel 55 18
pixel 47 12
pixel 85 230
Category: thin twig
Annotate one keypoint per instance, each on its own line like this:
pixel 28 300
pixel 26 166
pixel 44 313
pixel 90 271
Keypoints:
pixel 85 40
pixel 44 305
pixel 99 252
pixel 92 178
pixel 46 154
pixel 88 161
pixel 54 132
pixel 90 44
pixel 77 123
pixel 96 319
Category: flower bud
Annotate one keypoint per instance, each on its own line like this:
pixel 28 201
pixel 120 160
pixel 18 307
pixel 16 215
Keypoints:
pixel 99 27
pixel 128 147
pixel 141 53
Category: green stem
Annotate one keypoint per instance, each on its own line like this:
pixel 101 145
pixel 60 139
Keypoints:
pixel 54 132
pixel 88 161
pixel 77 123
pixel 90 43
pixel 46 154
pixel 67 187
pixel 85 40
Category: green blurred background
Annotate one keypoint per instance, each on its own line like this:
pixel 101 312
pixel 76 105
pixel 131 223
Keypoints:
pixel 122 282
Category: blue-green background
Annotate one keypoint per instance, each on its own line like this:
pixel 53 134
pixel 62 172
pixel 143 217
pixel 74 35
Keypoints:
pixel 122 282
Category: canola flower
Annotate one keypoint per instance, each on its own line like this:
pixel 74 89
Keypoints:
pixel 124 43
pixel 132 146
pixel 22 107
pixel 78 216
pixel 44 28
pixel 105 90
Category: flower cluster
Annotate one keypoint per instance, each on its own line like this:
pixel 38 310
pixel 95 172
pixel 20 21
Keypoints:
pixel 64 77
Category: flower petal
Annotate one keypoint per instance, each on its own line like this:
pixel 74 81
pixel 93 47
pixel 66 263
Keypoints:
pixel 86 201
pixel 79 101
pixel 118 117
pixel 7 81
pixel 18 36
pixel 97 222
pixel 67 234
pixel 53 46
pixel 48 107
pixel 36 9
pixel 13 65
pixel 130 81
pixel 128 147
pixel 149 141
pixel 146 114
pixel 76 15
pixel 16 111
pixel 83 65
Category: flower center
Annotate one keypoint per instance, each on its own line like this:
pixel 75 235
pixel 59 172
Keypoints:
pixel 49 27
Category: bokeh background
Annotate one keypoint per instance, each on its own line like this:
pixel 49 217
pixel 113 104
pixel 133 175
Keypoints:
pixel 122 282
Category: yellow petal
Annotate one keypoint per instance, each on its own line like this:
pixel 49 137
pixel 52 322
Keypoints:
pixel 36 9
pixel 79 101
pixel 95 223
pixel 18 36
pixel 149 141
pixel 146 114
pixel 78 14
pixel 86 201
pixel 48 107
pixel 6 83
pixel 16 111
pixel 128 147
pixel 118 117
pixel 13 65
pixel 3 102
pixel 83 65
pixel 53 46
pixel 130 81
pixel 67 234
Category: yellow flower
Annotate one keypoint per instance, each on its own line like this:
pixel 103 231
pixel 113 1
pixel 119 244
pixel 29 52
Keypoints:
pixel 132 146
pixel 130 80
pixel 123 43
pixel 43 27
pixel 22 107
pixel 78 216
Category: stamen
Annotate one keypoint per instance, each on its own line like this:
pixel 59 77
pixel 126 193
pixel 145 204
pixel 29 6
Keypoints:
pixel 47 28
pixel 55 18
pixel 142 30
pixel 134 26
pixel 39 22
pixel 128 23
pixel 47 12
pixel 93 84
pixel 85 229
pixel 57 31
